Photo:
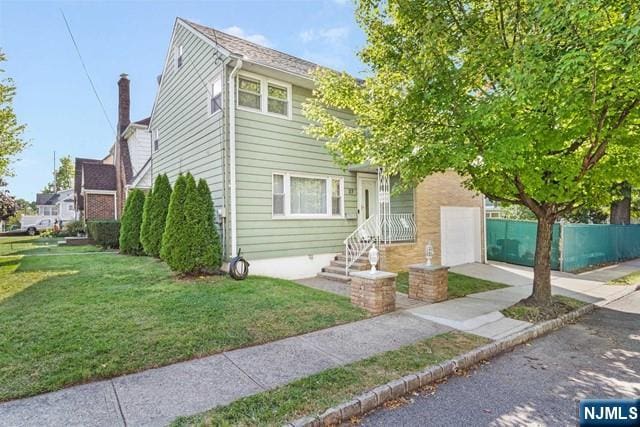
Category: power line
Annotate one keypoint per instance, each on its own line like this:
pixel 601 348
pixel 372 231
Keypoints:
pixel 95 92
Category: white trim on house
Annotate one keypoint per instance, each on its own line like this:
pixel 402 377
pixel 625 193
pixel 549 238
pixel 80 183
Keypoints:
pixel 232 157
pixel 141 174
pixel 287 196
pixel 264 94
pixel 296 267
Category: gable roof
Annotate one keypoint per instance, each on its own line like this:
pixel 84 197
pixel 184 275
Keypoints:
pixel 98 176
pixel 254 52
pixel 46 198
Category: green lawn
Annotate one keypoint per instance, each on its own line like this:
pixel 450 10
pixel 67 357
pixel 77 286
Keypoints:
pixel 459 285
pixel 28 245
pixel 629 279
pixel 315 394
pixel 69 319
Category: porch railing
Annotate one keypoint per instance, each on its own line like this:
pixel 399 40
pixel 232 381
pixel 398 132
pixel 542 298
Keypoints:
pixel 399 228
pixel 360 240
pixel 390 228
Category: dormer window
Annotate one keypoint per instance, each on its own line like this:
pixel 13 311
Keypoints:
pixel 215 103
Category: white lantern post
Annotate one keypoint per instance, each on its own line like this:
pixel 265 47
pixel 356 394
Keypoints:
pixel 373 259
pixel 428 253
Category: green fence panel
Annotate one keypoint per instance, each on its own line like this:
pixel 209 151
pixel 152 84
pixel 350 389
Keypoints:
pixel 514 242
pixel 588 245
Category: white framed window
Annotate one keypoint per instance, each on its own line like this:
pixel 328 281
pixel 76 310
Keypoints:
pixel 249 93
pixel 156 139
pixel 307 196
pixel 264 95
pixel 179 50
pixel 215 91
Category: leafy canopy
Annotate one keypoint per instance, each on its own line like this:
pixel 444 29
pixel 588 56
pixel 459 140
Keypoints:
pixel 131 222
pixel 64 176
pixel 533 102
pixel 11 142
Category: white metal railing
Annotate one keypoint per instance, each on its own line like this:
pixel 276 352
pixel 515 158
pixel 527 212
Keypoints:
pixel 391 228
pixel 360 240
pixel 399 228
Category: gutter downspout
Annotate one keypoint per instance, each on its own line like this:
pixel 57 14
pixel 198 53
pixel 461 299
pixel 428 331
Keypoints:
pixel 232 155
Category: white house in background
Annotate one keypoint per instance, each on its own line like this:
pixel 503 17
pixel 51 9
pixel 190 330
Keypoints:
pixel 52 206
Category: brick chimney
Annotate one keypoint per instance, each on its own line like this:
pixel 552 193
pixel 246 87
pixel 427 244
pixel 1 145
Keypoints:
pixel 124 104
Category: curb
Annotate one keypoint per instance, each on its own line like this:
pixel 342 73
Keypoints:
pixel 401 386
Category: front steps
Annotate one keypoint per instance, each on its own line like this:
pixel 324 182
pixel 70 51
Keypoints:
pixel 336 269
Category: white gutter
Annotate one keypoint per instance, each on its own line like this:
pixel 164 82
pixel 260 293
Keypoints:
pixel 232 156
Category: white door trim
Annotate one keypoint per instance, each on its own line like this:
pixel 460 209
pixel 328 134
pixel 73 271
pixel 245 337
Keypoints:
pixel 369 178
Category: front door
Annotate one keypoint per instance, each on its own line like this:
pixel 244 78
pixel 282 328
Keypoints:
pixel 367 196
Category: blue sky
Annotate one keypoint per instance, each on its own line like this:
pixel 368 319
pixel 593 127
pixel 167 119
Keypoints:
pixel 55 99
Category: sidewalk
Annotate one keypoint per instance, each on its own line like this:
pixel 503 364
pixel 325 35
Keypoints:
pixel 157 396
pixel 480 313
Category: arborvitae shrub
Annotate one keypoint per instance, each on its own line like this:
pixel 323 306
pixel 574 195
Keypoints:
pixel 154 220
pixel 175 248
pixel 131 223
pixel 209 250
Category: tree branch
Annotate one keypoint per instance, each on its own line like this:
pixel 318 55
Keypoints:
pixel 527 200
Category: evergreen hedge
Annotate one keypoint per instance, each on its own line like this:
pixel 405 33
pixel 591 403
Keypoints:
pixel 155 216
pixel 104 233
pixel 209 250
pixel 131 224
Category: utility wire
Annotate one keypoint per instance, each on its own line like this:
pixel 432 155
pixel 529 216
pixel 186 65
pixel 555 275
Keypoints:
pixel 95 92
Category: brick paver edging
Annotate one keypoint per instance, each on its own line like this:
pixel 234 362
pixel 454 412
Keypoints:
pixel 399 387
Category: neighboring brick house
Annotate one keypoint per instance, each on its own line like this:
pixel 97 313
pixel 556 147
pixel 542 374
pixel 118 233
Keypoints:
pixel 101 186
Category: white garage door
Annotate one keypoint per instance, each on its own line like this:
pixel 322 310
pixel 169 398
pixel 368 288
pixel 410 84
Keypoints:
pixel 460 234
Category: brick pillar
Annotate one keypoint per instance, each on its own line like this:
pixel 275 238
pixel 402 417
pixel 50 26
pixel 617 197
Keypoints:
pixel 376 292
pixel 428 283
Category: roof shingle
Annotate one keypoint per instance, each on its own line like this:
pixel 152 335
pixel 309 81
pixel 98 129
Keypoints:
pixel 99 176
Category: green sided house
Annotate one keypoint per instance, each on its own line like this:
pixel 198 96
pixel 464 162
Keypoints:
pixel 229 111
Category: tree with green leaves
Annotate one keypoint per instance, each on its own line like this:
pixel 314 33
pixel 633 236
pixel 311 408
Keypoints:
pixel 145 227
pixel 533 102
pixel 11 142
pixel 209 254
pixel 176 247
pixel 131 222
pixel 153 223
pixel 64 176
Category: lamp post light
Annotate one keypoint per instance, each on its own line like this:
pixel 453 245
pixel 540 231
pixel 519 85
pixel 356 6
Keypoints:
pixel 428 253
pixel 373 259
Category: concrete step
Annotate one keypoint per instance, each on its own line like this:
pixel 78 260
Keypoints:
pixel 356 266
pixel 335 277
pixel 343 258
pixel 333 269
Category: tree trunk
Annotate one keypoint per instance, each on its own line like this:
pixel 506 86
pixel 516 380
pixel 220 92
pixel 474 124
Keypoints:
pixel 621 210
pixel 541 294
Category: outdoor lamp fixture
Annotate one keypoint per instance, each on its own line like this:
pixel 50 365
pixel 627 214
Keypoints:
pixel 373 259
pixel 428 253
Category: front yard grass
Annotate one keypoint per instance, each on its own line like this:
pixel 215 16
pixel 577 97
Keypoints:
pixel 534 314
pixel 68 319
pixel 629 279
pixel 34 245
pixel 316 393
pixel 459 285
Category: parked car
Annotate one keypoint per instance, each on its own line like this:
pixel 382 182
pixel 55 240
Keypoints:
pixel 40 226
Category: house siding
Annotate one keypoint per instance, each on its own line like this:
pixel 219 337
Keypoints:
pixel 267 144
pixel 191 140
pixel 139 149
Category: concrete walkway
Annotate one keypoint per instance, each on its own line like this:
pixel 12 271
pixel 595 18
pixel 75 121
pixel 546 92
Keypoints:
pixel 157 396
pixel 480 313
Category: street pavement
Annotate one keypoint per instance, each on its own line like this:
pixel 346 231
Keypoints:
pixel 540 383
